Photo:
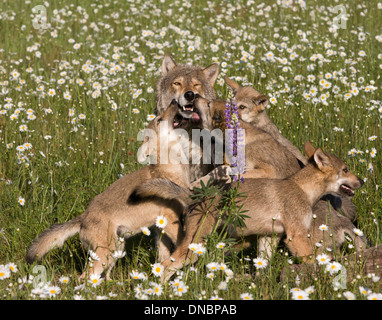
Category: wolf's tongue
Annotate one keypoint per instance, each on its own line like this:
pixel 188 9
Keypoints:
pixel 195 116
pixel 347 190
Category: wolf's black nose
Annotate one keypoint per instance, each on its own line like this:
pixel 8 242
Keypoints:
pixel 189 95
pixel 361 181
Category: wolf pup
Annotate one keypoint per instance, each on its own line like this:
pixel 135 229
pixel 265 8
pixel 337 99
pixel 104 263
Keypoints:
pixel 260 146
pixel 117 213
pixel 276 207
pixel 252 109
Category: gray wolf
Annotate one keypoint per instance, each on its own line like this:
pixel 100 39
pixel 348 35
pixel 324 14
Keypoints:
pixel 184 83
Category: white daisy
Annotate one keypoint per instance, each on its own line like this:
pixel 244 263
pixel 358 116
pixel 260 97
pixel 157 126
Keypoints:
pixel 146 231
pixel 161 222
pixel 157 269
pixel 260 263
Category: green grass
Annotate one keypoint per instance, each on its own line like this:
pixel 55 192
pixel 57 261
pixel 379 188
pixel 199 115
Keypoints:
pixel 61 173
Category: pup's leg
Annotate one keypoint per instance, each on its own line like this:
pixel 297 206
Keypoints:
pixel 267 246
pixel 299 245
pixel 219 174
pixel 197 226
pixel 263 170
pixel 103 240
pixel 173 234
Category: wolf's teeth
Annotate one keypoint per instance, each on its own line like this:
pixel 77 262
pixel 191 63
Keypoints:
pixel 184 108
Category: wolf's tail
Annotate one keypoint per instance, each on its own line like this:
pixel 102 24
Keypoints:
pixel 165 189
pixel 52 237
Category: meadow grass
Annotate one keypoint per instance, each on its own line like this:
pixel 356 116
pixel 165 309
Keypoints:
pixel 75 93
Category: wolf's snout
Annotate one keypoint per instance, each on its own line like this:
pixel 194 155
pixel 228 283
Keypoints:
pixel 189 96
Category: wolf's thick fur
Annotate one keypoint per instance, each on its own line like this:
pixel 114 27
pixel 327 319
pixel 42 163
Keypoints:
pixel 262 162
pixel 251 106
pixel 252 109
pixel 116 212
pixel 184 83
pixel 176 80
pixel 260 146
pixel 278 207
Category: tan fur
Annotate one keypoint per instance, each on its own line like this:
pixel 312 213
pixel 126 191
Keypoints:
pixel 183 83
pixel 260 146
pixel 276 207
pixel 252 107
pixel 176 80
pixel 323 211
pixel 117 212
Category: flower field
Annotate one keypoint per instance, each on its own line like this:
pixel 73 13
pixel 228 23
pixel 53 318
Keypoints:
pixel 77 84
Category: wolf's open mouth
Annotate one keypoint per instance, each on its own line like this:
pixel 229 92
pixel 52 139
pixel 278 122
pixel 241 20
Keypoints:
pixel 347 190
pixel 191 112
pixel 178 121
pixel 188 107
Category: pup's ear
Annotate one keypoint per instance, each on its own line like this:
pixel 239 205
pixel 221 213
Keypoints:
pixel 144 151
pixel 211 72
pixel 309 150
pixel 167 64
pixel 261 102
pixel 149 144
pixel 232 84
pixel 321 159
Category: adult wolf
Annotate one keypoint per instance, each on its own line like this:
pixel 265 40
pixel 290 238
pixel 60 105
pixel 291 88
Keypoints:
pixel 183 83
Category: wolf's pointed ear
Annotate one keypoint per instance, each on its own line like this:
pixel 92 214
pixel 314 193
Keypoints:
pixel 321 159
pixel 261 102
pixel 211 72
pixel 143 151
pixel 232 84
pixel 147 151
pixel 309 150
pixel 167 64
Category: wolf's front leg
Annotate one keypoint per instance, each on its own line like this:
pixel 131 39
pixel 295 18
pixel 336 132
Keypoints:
pixel 221 174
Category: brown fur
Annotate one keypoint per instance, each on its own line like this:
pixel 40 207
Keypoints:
pixel 260 146
pixel 323 211
pixel 117 212
pixel 275 207
pixel 183 83
pixel 252 109
pixel 176 80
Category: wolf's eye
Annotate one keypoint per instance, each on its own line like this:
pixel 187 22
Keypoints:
pixel 346 170
pixel 176 83
pixel 242 107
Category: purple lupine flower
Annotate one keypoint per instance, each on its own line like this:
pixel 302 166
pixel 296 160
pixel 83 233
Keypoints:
pixel 235 144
